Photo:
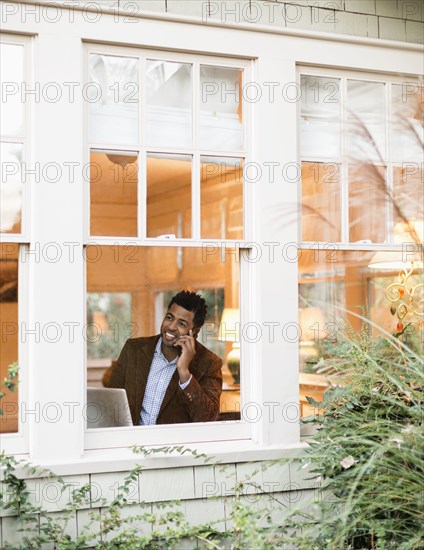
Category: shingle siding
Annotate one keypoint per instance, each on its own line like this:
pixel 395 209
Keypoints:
pixel 205 493
pixel 386 19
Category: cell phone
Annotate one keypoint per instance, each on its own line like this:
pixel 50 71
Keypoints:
pixel 179 348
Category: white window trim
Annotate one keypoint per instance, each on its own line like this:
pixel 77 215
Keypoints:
pixel 17 443
pixel 143 149
pixel 25 140
pixel 181 433
pixel 388 163
pixel 276 55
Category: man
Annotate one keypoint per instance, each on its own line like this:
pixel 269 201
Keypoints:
pixel 171 378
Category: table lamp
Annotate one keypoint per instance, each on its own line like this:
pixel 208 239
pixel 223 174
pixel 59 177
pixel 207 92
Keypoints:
pixel 229 331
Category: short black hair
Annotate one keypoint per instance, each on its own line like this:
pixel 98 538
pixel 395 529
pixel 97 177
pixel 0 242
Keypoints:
pixel 191 302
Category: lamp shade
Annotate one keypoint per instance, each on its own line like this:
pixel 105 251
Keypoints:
pixel 411 254
pixel 312 323
pixel 100 320
pixel 229 328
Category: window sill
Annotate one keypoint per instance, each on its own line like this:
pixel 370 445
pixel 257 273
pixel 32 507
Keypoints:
pixel 123 460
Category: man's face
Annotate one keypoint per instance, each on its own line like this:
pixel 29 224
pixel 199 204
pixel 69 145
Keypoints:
pixel 176 323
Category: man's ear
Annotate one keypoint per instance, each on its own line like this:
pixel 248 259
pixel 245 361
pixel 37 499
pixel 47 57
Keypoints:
pixel 195 331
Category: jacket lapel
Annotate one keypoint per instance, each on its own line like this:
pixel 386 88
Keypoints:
pixel 144 361
pixel 173 385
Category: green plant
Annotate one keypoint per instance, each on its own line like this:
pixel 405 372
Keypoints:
pixel 368 449
pixel 249 526
pixel 10 381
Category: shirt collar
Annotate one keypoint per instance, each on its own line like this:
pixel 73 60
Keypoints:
pixel 158 351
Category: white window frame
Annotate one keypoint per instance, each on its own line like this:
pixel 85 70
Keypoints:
pixel 178 433
pixel 142 149
pixel 26 43
pixel 388 162
pixel 17 442
pixel 57 372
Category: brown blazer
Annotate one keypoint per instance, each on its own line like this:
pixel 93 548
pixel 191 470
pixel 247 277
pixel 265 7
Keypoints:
pixel 199 402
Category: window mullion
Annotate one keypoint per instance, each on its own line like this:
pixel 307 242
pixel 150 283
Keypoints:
pixel 113 148
pixel 26 181
pixel 389 168
pixel 344 180
pixel 142 161
pixel 142 193
pixel 86 155
pixel 195 175
pixel 248 190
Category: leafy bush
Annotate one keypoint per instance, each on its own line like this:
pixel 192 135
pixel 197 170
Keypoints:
pixel 368 449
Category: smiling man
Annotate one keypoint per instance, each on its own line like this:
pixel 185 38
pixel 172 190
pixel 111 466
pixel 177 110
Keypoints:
pixel 171 377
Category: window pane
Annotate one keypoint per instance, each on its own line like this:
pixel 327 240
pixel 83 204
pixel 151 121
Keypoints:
pixel 108 313
pixel 340 289
pixel 11 188
pixel 408 192
pixel 320 117
pixel 366 113
pixel 169 195
pixel 113 194
pixel 169 104
pixel 150 275
pixel 407 132
pixel 221 111
pixel 221 198
pixel 320 201
pixel 384 287
pixel 9 332
pixel 113 95
pixel 367 203
pixel 11 79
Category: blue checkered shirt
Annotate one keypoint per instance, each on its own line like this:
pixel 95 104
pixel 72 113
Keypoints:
pixel 160 374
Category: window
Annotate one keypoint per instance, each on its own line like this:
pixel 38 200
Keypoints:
pixel 13 117
pixel 14 131
pixel 362 211
pixel 9 257
pixel 167 206
pixel 357 181
pixel 154 169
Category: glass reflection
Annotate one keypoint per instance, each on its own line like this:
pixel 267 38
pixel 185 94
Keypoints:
pixel 320 201
pixel 169 195
pixel 339 293
pixel 9 333
pixel 366 106
pixel 113 193
pixel 169 104
pixel 129 290
pixel 221 108
pixel 11 78
pixel 408 192
pixel 368 201
pixel 320 116
pixel 407 129
pixel 113 95
pixel 11 188
pixel 221 198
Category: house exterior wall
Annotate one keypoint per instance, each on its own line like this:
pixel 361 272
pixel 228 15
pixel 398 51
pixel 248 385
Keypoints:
pixel 385 19
pixel 399 20
pixel 206 494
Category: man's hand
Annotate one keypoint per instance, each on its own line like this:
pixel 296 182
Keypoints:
pixel 187 344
